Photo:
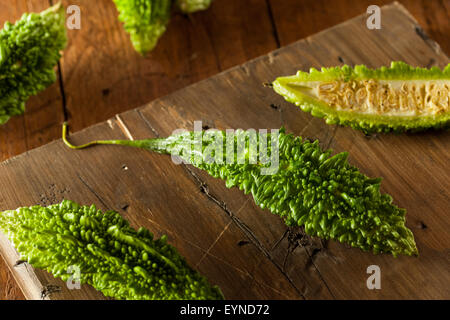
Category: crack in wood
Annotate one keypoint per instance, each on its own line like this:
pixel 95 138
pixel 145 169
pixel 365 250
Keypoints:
pixel 19 262
pixel 246 273
pixel 254 281
pixel 306 126
pixel 273 24
pixel 296 237
pixel 222 232
pixel 175 235
pixel 431 63
pixel 421 225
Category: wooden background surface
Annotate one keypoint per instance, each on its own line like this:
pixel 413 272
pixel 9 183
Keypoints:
pixel 103 76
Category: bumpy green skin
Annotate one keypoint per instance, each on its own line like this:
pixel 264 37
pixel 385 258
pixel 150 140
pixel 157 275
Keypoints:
pixel 190 6
pixel 366 123
pixel 325 194
pixel 29 51
pixel 144 20
pixel 114 258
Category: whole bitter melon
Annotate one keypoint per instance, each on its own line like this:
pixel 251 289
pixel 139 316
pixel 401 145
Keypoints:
pixel 311 188
pixel 111 256
pixel 144 20
pixel 190 6
pixel 29 51
pixel 399 98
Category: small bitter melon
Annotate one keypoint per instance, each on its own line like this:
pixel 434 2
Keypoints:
pixel 145 21
pixel 399 98
pixel 308 187
pixel 29 52
pixel 110 255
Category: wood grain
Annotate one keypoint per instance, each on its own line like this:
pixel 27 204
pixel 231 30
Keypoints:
pixel 103 75
pixel 250 253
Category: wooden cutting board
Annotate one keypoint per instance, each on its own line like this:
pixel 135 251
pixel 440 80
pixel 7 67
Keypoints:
pixel 247 251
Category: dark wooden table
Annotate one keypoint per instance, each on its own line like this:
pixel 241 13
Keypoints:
pixel 101 75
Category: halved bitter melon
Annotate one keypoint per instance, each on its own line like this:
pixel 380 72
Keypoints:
pixel 398 98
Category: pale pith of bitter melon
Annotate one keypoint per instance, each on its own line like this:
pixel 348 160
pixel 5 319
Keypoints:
pixel 396 98
pixel 306 186
pixel 109 254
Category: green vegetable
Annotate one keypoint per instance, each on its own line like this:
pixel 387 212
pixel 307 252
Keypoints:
pixel 29 51
pixel 111 256
pixel 307 187
pixel 399 98
pixel 189 6
pixel 144 20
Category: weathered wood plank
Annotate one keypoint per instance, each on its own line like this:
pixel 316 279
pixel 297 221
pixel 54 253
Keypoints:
pixel 247 251
pixel 170 202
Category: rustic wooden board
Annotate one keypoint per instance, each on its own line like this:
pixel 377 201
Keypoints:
pixel 249 252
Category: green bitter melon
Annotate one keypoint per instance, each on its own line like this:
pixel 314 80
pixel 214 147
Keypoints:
pixel 144 20
pixel 29 51
pixel 311 188
pixel 189 6
pixel 111 256
pixel 399 98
